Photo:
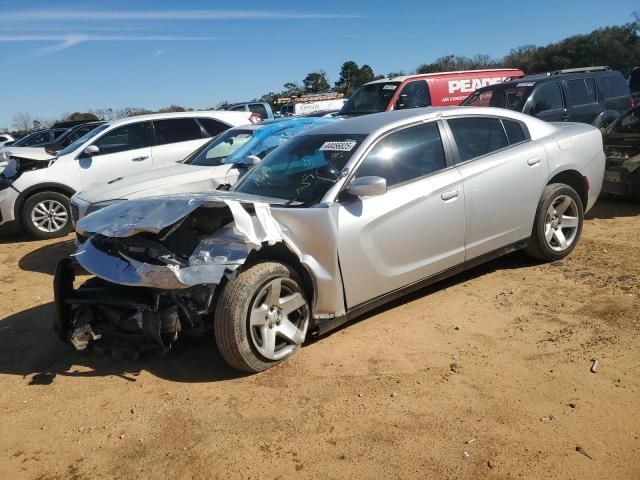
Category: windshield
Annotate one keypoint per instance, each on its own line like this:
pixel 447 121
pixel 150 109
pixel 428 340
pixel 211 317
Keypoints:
pixel 512 97
pixel 24 141
pixel 78 143
pixel 627 123
pixel 213 153
pixel 371 98
pixel 300 169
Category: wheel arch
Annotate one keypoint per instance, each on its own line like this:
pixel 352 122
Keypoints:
pixel 282 254
pixel 40 188
pixel 575 180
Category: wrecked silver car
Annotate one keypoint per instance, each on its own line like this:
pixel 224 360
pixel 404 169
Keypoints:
pixel 333 223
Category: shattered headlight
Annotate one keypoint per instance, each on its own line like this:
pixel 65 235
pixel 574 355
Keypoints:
pixel 100 205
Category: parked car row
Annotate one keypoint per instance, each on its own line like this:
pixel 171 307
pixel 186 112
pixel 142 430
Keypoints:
pixel 36 187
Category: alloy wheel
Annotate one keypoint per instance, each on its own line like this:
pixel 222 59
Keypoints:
pixel 49 216
pixel 561 223
pixel 278 319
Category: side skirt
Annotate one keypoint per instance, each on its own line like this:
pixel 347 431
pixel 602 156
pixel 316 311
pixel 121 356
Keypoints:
pixel 333 323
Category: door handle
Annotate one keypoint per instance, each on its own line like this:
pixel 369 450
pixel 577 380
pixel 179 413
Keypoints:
pixel 532 162
pixel 139 159
pixel 449 195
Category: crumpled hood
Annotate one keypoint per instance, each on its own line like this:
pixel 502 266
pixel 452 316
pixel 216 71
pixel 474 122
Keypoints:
pixel 153 214
pixel 32 153
pixel 175 179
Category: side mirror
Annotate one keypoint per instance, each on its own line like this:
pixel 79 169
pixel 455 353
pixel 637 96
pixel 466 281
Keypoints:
pixel 400 102
pixel 367 187
pixel 91 150
pixel 541 106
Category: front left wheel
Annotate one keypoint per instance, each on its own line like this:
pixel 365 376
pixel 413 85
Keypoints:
pixel 46 215
pixel 261 317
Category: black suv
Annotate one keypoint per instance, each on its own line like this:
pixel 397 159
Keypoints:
pixel 595 95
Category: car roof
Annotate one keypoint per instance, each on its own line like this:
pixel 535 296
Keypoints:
pixel 544 77
pixel 279 124
pixel 402 78
pixel 379 122
pixel 215 114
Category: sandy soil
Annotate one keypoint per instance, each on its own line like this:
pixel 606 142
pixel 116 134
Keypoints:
pixel 484 376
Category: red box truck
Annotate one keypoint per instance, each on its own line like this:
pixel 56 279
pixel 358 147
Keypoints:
pixel 440 89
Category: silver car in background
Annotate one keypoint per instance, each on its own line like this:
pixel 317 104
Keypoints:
pixel 331 224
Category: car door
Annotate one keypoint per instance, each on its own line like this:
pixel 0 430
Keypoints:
pixel 547 103
pixel 176 138
pixel 415 229
pixel 582 103
pixel 503 173
pixel 123 150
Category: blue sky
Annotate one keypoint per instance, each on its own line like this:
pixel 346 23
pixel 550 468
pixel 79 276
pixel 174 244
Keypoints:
pixel 67 56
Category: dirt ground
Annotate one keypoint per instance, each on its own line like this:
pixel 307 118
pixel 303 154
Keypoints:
pixel 483 376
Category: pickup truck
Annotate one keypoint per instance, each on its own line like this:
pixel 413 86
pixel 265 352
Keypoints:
pixel 262 109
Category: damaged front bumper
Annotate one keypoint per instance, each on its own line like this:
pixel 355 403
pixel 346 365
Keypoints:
pixel 126 321
pixel 157 264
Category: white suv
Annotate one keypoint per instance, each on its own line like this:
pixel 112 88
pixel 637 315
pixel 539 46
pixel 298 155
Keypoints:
pixel 36 192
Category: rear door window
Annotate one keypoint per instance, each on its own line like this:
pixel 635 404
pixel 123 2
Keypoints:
pixel 547 97
pixel 127 137
pixel 405 155
pixel 239 108
pixel 578 92
pixel 413 95
pixel 478 136
pixel 213 127
pixel 176 130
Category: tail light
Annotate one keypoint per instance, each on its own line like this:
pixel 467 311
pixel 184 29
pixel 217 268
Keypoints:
pixel 633 104
pixel 255 118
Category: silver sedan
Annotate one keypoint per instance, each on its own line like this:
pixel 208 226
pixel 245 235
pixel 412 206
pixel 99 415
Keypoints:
pixel 331 224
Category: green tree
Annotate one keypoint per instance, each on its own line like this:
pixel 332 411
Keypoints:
pixel 80 116
pixel 365 75
pixel 316 82
pixel 349 77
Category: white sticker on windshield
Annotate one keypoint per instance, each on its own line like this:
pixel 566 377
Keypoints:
pixel 525 84
pixel 337 146
pixel 389 87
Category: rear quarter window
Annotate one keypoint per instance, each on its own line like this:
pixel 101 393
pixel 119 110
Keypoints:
pixel 515 132
pixel 614 86
pixel 213 127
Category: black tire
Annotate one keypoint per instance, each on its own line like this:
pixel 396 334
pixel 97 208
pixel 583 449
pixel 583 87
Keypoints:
pixel 538 247
pixel 30 226
pixel 232 311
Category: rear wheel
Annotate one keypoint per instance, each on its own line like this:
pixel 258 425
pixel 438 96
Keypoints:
pixel 46 215
pixel 558 223
pixel 261 317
